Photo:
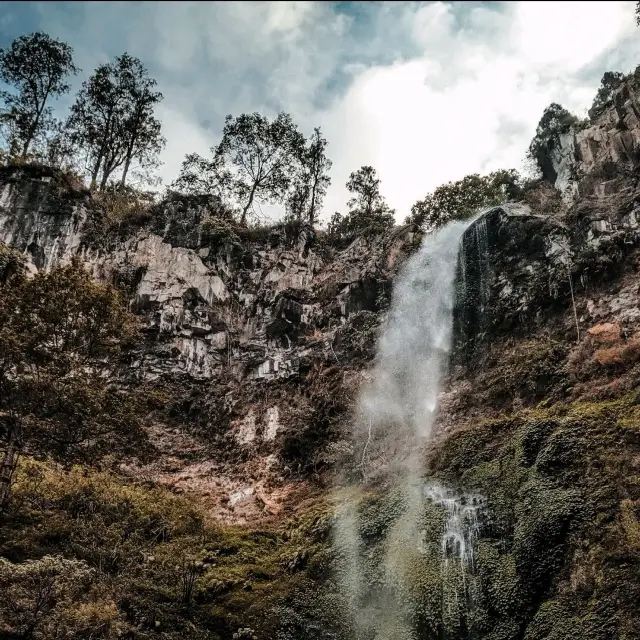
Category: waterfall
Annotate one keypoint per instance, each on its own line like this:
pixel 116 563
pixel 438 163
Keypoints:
pixel 396 412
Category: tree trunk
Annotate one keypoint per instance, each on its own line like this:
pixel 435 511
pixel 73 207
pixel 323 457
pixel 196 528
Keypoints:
pixel 124 171
pixel 312 206
pixel 10 462
pixel 29 139
pixel 105 177
pixel 96 171
pixel 128 158
pixel 107 170
pixel 33 128
pixel 25 148
pixel 243 217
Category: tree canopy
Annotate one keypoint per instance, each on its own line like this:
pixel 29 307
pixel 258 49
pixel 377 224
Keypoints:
pixel 311 180
pixel 36 67
pixel 60 333
pixel 368 212
pixel 611 80
pixel 460 199
pixel 113 119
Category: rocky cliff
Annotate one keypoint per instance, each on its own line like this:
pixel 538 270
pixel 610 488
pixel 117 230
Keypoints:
pixel 259 340
pixel 278 325
pixel 254 318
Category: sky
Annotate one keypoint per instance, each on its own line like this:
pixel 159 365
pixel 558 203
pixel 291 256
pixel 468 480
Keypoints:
pixel 425 92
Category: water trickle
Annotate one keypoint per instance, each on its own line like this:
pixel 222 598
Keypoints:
pixel 463 513
pixel 483 262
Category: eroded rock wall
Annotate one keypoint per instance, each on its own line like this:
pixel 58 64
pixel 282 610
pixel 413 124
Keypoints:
pixel 596 156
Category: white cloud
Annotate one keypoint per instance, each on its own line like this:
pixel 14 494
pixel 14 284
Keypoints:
pixel 566 34
pixel 444 114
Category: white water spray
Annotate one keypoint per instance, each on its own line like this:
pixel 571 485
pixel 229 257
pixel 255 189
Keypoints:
pixel 397 410
pixel 414 348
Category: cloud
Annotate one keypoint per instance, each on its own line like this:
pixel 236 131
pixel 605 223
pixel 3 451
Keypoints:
pixel 424 92
pixel 470 101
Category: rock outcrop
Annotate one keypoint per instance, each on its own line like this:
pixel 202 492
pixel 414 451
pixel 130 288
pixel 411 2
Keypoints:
pixel 247 307
pixel 264 336
pixel 595 156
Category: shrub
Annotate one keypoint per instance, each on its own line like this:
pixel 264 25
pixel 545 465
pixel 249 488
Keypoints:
pixel 116 214
pixel 619 355
pixel 461 199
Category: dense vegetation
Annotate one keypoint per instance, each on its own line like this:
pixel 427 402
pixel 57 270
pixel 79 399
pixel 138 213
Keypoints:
pixel 62 339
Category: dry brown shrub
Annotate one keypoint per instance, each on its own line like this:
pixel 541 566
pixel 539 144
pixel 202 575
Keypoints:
pixel 619 355
pixel 606 333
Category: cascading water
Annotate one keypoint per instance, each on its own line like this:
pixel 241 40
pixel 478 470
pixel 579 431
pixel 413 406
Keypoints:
pixel 379 556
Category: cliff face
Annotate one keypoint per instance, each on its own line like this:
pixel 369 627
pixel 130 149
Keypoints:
pixel 245 307
pixel 258 342
pixel 245 324
pixel 595 157
pixel 269 334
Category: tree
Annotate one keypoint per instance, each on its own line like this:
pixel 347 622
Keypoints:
pixel 258 157
pixel 113 119
pixel 638 14
pixel 35 592
pixel 611 80
pixel 201 176
pixel 60 336
pixel 37 67
pixel 461 199
pixel 368 210
pixel 311 180
pixel 555 121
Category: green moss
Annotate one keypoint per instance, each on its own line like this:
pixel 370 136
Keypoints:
pixel 144 542
pixel 559 480
pixel 558 553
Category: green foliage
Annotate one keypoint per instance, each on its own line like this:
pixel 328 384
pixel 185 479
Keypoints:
pixel 611 80
pixel 40 595
pixel 555 121
pixel 11 263
pixel 157 564
pixel 115 214
pixel 36 66
pixel 368 214
pixel 553 559
pixel 311 180
pixel 113 121
pixel 201 176
pixel 257 157
pixel 461 199
pixel 60 337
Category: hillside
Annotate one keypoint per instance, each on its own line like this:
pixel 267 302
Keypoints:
pixel 252 348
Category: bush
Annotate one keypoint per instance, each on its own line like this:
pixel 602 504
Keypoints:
pixel 40 600
pixel 146 561
pixel 461 199
pixel 116 214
